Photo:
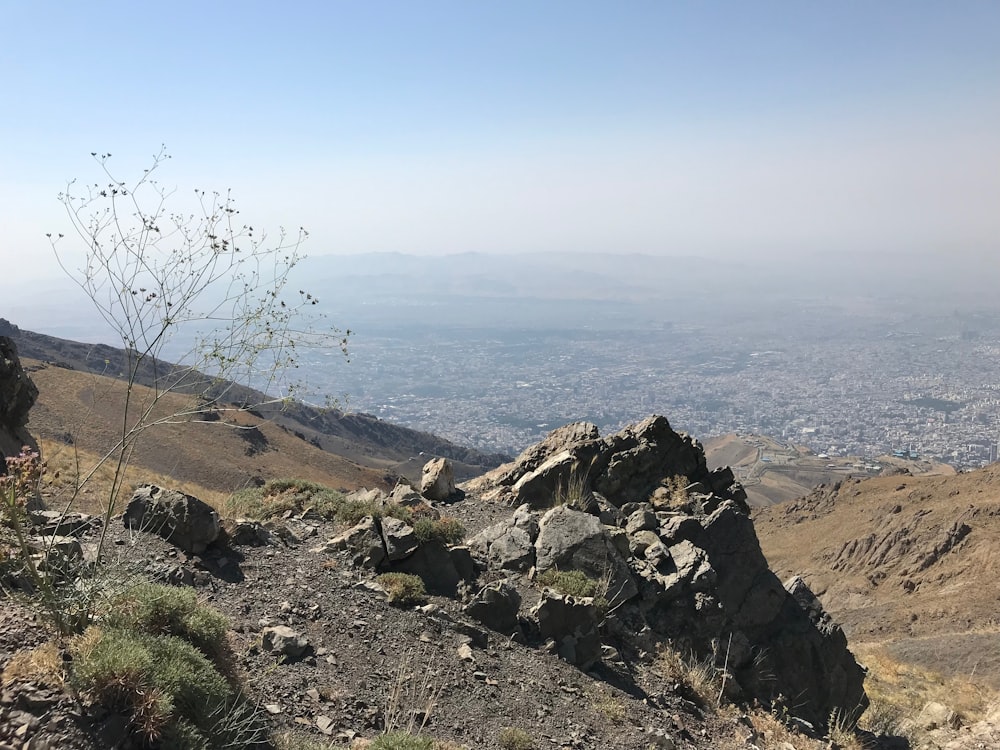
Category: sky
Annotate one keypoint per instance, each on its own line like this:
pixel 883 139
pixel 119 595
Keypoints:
pixel 723 129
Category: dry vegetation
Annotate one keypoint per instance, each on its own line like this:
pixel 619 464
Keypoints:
pixel 78 415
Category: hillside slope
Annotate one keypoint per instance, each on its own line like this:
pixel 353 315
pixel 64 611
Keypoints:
pixel 356 438
pixel 83 411
pixel 773 471
pixel 908 564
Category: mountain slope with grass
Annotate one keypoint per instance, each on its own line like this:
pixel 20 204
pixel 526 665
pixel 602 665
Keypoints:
pixel 911 566
pixel 355 438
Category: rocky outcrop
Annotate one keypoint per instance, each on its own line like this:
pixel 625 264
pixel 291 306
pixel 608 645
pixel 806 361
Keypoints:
pixel 673 553
pixel 386 543
pixel 644 462
pixel 17 396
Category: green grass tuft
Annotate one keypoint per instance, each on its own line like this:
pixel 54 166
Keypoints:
pixel 443 530
pixel 280 496
pixel 403 589
pixel 158 680
pixel 570 582
pixel 512 738
pixel 402 741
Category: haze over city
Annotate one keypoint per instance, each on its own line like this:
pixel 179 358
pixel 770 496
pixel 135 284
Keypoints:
pixel 638 198
pixel 733 130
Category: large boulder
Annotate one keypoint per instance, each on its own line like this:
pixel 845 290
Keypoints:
pixel 437 481
pixel 181 519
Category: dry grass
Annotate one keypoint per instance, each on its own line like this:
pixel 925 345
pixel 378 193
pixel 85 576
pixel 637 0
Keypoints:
pixel 612 709
pixel 699 679
pixel 904 689
pixel 75 480
pixel 43 664
pixel 79 410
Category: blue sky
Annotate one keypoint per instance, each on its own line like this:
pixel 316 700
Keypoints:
pixel 723 129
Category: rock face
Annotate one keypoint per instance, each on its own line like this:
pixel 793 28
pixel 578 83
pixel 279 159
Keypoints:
pixel 674 552
pixel 17 395
pixel 640 463
pixel 181 519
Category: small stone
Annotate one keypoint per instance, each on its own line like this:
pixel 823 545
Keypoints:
pixel 324 724
pixel 284 640
pixel 465 653
pixel 313 693
pixel 272 708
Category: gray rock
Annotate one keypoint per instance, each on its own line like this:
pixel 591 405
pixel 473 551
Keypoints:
pixel 363 539
pixel 17 395
pixel 181 519
pixel 692 565
pixel 574 540
pixel 433 564
pixel 640 541
pixel 67 547
pixel 400 539
pixel 572 624
pixel 496 606
pixel 49 522
pixel 562 533
pixel 677 527
pixel 283 640
pixel 245 532
pixel 510 544
pixel 514 550
pixel 642 520
pixel 461 558
pixel 548 483
pixel 437 481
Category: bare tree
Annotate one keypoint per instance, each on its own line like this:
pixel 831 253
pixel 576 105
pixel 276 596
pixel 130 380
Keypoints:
pixel 198 273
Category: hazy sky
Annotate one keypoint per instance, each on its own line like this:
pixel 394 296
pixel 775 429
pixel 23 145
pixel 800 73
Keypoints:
pixel 443 127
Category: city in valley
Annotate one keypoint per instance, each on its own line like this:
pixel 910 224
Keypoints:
pixel 876 368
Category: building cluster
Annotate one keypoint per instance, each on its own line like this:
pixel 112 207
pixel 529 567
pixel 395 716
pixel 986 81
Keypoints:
pixel 865 393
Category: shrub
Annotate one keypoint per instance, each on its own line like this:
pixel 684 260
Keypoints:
pixel 511 738
pixel 167 610
pixel 570 582
pixel 402 741
pixel 280 496
pixel 444 530
pixel 158 680
pixel 403 589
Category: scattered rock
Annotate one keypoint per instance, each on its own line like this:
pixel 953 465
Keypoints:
pixel 283 640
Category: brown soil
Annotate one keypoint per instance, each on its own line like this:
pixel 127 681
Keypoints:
pixel 909 565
